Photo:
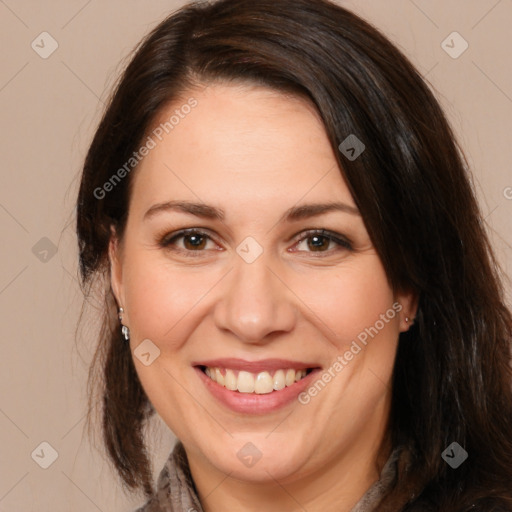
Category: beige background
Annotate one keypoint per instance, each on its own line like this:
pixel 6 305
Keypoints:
pixel 50 108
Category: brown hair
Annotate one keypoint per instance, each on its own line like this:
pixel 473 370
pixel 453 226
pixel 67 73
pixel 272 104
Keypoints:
pixel 452 378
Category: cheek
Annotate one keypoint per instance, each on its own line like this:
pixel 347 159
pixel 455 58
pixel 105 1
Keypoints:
pixel 350 300
pixel 161 299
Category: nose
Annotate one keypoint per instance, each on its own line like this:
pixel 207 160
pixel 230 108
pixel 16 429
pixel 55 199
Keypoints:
pixel 255 303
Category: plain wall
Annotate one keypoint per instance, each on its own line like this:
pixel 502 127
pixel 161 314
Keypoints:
pixel 49 110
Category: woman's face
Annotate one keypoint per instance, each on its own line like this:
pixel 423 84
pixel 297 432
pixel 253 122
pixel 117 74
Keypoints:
pixel 298 327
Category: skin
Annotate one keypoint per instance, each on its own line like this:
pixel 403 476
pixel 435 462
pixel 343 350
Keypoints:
pixel 255 153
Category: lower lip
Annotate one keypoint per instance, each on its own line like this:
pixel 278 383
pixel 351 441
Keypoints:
pixel 252 403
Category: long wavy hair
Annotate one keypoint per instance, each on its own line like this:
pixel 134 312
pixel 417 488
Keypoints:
pixel 452 377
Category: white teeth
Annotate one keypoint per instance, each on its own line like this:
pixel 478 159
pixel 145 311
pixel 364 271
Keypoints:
pixel 264 383
pixel 299 375
pixel 261 383
pixel 230 380
pixel 279 380
pixel 245 382
pixel 290 377
pixel 219 377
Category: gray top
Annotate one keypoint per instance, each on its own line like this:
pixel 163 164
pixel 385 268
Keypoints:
pixel 176 491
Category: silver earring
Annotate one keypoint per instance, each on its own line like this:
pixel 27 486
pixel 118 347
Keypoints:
pixel 124 329
pixel 406 319
pixel 126 332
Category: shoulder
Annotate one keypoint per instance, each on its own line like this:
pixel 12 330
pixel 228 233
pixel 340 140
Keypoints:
pixel 175 488
pixel 482 505
pixel 150 506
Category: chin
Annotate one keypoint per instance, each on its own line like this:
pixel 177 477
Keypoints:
pixel 258 457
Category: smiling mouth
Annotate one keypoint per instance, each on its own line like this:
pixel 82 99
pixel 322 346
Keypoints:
pixel 260 383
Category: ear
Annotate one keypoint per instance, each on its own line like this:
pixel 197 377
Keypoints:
pixel 408 301
pixel 116 274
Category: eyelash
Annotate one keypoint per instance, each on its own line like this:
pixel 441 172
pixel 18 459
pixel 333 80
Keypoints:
pixel 169 239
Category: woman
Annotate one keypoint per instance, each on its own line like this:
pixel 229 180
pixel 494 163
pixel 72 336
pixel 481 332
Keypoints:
pixel 296 274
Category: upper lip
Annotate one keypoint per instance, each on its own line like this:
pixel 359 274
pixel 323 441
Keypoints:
pixel 255 366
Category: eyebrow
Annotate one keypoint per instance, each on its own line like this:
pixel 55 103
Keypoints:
pixel 211 212
pixel 198 209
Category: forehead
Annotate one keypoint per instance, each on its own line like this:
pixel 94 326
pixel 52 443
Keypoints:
pixel 239 142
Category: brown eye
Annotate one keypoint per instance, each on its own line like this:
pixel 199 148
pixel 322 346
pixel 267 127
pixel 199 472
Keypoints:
pixel 192 241
pixel 318 242
pixel 322 241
